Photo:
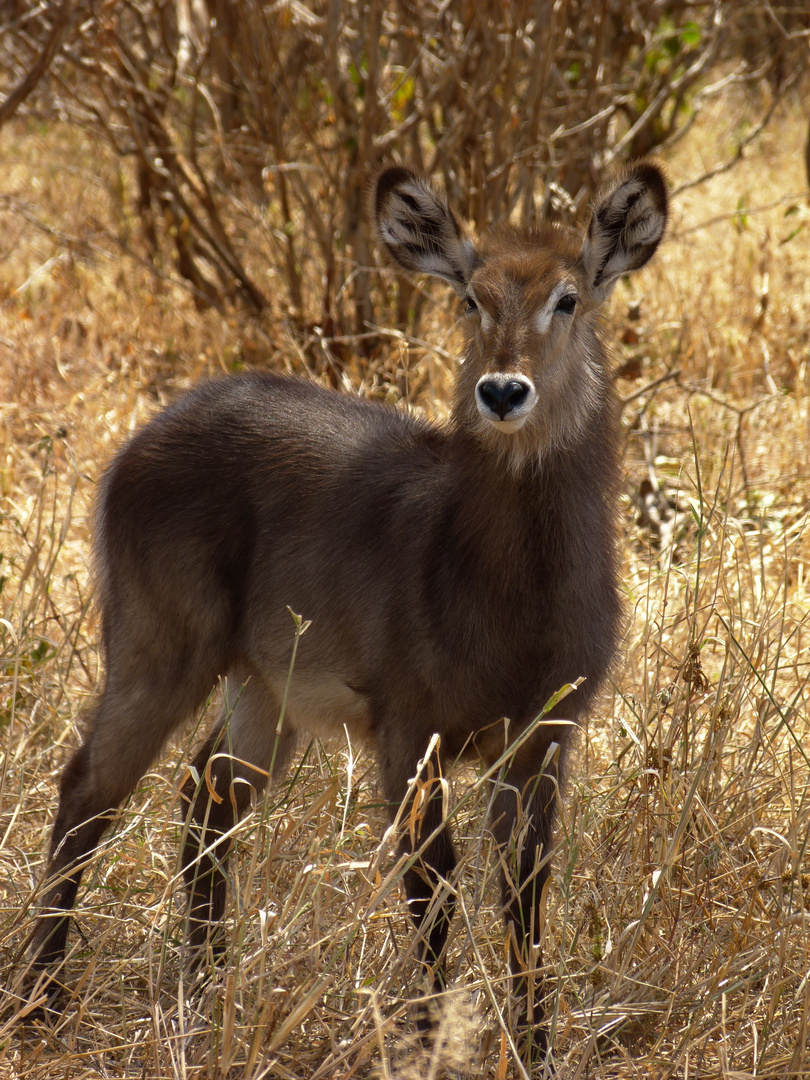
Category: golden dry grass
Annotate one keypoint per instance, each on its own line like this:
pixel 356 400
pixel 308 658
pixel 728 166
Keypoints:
pixel 678 938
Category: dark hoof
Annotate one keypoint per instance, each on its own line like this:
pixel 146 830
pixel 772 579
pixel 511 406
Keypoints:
pixel 205 944
pixel 204 959
pixel 427 1021
pixel 535 1052
pixel 42 999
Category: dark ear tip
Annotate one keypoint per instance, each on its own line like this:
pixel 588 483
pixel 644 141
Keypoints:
pixel 392 176
pixel 653 175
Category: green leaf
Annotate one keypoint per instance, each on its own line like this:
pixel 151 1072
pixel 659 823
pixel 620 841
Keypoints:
pixel 741 217
pixel 690 34
pixel 793 233
pixel 402 96
pixel 671 45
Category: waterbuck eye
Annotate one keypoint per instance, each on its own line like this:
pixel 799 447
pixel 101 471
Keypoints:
pixel 567 303
pixel 470 306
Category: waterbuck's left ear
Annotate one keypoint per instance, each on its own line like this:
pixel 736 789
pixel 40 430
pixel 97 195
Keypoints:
pixel 629 218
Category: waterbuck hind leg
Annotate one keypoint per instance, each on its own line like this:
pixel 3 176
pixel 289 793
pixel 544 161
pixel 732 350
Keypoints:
pixel 126 733
pixel 79 826
pixel 233 764
pixel 522 818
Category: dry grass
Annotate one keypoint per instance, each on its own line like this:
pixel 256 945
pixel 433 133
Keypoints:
pixel 678 941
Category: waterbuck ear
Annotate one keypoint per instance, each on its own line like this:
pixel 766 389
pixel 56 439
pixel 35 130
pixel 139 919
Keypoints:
pixel 629 218
pixel 418 230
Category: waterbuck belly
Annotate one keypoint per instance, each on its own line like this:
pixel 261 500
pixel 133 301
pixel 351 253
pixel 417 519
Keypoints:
pixel 324 705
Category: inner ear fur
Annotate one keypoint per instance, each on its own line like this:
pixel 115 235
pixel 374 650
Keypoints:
pixel 629 219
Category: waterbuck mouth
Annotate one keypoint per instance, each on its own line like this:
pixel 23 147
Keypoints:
pixel 509 426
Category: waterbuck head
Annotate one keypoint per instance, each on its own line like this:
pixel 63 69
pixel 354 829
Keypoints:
pixel 534 368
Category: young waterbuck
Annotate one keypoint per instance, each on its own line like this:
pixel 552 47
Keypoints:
pixel 456 576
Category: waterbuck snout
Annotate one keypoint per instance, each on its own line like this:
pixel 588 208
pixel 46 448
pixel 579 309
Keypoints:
pixel 455 576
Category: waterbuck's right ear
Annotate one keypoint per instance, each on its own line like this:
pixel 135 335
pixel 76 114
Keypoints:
pixel 629 218
pixel 418 229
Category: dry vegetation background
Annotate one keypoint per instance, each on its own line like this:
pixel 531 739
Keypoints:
pixel 179 199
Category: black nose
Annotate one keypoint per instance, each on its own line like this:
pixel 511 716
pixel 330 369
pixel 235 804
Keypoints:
pixel 500 397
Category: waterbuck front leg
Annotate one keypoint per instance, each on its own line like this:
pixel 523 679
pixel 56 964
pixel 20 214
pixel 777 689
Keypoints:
pixel 523 813
pixel 235 762
pixel 427 841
